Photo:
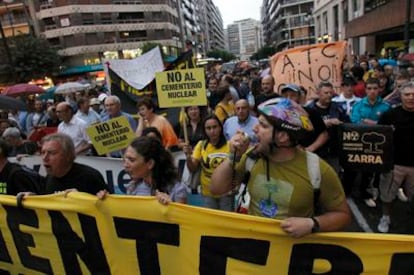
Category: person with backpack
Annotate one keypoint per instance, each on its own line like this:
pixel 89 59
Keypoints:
pixel 15 178
pixel 280 184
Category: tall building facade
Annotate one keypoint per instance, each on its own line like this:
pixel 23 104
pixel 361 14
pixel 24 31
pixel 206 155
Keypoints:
pixel 244 38
pixel 288 23
pixel 14 18
pixel 211 23
pixel 380 24
pixel 359 22
pixel 330 18
pixel 85 31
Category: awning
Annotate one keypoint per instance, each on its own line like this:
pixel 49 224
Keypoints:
pixel 81 69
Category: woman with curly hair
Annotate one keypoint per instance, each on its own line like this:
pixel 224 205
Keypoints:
pixel 152 171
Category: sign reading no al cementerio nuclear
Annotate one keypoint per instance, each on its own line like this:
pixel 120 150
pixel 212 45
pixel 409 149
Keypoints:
pixel 181 88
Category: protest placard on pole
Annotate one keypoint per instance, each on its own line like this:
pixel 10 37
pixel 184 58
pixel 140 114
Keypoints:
pixel 309 65
pixel 111 135
pixel 365 147
pixel 181 88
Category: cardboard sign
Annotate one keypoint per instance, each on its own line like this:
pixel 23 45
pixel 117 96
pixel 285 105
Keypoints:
pixel 309 65
pixel 111 135
pixel 366 148
pixel 181 88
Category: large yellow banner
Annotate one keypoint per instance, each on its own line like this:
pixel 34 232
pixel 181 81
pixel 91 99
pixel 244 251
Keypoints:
pixel 309 65
pixel 80 234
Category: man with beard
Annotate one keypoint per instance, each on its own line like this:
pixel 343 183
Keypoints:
pixel 280 185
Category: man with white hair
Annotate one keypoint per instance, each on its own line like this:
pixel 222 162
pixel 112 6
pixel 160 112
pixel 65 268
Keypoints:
pixel 14 139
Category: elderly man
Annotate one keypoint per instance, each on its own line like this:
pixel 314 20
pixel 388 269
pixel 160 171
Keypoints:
pixel 74 127
pixel 18 146
pixel 241 121
pixel 63 173
pixel 113 109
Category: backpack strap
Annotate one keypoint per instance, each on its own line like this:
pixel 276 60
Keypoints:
pixel 314 173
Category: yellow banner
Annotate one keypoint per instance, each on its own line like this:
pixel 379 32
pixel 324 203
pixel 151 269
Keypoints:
pixel 111 135
pixel 80 234
pixel 181 88
pixel 309 65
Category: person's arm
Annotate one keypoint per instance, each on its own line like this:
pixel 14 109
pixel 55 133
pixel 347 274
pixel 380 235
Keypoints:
pixel 319 141
pixel 333 220
pixel 141 125
pixel 223 177
pixel 83 147
pixel 355 113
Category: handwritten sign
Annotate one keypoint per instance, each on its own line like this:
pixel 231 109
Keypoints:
pixel 181 88
pixel 111 135
pixel 309 65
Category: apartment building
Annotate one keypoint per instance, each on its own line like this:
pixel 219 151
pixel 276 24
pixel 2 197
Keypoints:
pixel 288 23
pixel 244 38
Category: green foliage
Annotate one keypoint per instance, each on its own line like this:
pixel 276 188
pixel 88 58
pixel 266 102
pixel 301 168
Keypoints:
pixel 265 52
pixel 224 55
pixel 33 58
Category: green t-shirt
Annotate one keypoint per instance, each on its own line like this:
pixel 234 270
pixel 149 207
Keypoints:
pixel 289 191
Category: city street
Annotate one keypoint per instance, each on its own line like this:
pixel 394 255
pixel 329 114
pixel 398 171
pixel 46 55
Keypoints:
pixel 365 219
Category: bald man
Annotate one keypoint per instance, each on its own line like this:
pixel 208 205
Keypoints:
pixel 267 90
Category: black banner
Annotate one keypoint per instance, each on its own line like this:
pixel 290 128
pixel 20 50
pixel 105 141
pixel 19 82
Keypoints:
pixel 365 147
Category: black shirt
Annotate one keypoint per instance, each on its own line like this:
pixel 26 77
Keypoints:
pixel 19 180
pixel 82 177
pixel 318 127
pixel 403 122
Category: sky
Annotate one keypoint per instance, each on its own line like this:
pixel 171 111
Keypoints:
pixel 233 10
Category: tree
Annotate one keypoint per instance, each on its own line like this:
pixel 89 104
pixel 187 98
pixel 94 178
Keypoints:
pixel 264 52
pixel 31 58
pixel 224 55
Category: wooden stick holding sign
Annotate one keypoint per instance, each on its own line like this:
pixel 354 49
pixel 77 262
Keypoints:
pixel 185 132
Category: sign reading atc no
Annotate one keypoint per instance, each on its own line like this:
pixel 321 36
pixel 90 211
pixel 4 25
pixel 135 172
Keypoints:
pixel 181 88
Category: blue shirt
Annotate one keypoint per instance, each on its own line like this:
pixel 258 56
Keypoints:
pixel 132 121
pixel 364 110
pixel 232 124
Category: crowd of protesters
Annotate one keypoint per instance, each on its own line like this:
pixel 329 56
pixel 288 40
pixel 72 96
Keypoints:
pixel 371 93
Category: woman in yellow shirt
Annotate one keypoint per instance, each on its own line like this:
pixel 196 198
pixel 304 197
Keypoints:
pixel 225 108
